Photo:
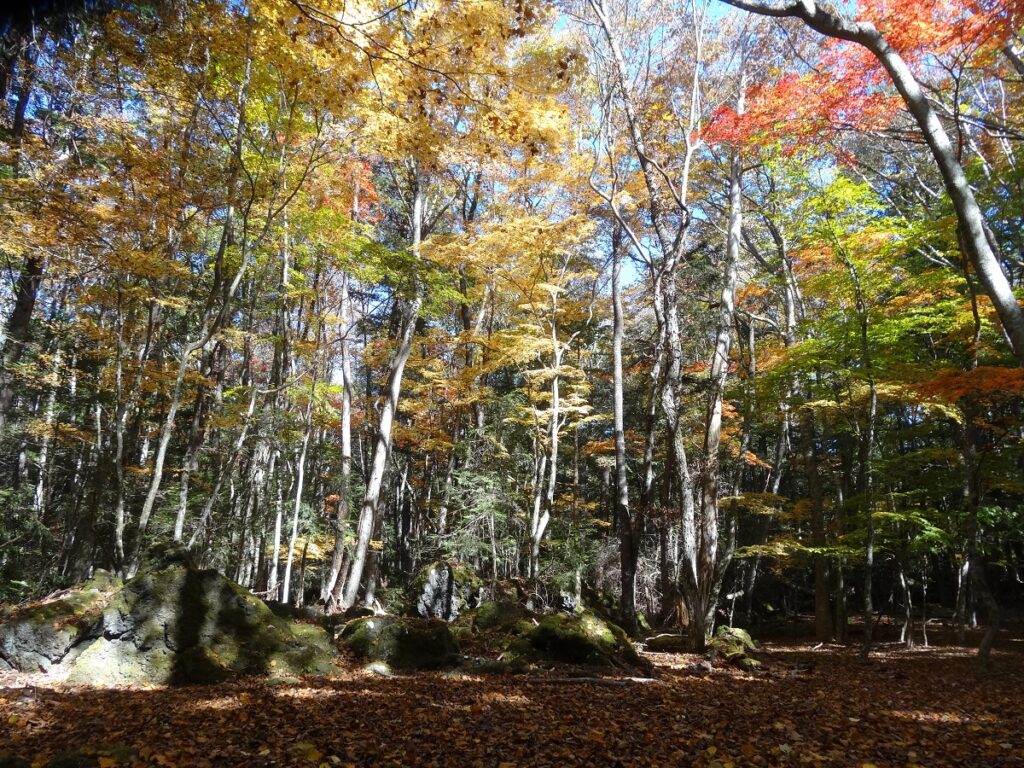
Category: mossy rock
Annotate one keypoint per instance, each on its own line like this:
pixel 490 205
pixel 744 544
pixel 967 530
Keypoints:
pixel 503 616
pixel 379 668
pixel 444 590
pixel 402 643
pixel 581 638
pixel 184 626
pixel 169 554
pixel 669 644
pixel 39 636
pixel 732 644
pixel 489 629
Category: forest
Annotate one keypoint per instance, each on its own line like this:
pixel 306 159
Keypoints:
pixel 511 383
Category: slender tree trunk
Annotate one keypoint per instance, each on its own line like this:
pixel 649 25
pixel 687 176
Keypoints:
pixel 331 593
pixel 627 534
pixel 822 609
pixel 711 563
pixel 973 563
pixel 389 407
pixel 275 558
pixel 43 462
pixel 300 478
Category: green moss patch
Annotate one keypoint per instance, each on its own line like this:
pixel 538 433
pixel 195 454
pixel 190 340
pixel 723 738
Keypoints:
pixel 735 646
pixel 583 639
pixel 400 642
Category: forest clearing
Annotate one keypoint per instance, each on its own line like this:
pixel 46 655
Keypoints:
pixel 511 383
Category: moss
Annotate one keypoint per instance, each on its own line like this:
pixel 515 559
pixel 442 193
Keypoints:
pixel 669 644
pixel 103 581
pixel 502 615
pixel 642 623
pixel 575 639
pixel 732 644
pixel 176 625
pixel 404 643
pixel 70 609
pixel 111 662
pixel 193 626
pixel 35 637
pixel 201 666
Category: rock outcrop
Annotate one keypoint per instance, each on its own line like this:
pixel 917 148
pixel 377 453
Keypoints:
pixel 178 625
pixel 42 635
pixel 443 590
pixel 735 646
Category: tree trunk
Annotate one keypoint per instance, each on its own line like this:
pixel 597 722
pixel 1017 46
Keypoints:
pixel 300 478
pixel 627 535
pixel 331 594
pixel 822 609
pixel 389 407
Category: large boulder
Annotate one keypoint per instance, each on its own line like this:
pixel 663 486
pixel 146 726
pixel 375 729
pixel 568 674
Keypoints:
pixel 181 625
pixel 443 590
pixel 401 642
pixel 42 635
pixel 582 638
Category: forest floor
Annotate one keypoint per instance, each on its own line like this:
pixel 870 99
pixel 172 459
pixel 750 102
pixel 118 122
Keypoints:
pixel 809 706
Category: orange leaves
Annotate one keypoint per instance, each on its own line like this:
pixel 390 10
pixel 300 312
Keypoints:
pixel 985 383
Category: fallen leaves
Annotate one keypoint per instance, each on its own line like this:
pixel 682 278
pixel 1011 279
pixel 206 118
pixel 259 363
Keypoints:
pixel 907 709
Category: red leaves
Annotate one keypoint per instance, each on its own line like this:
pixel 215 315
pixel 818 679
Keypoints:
pixel 940 27
pixel 850 90
pixel 800 110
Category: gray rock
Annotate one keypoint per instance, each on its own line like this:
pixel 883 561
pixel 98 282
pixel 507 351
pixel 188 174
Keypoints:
pixel 38 637
pixel 443 590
